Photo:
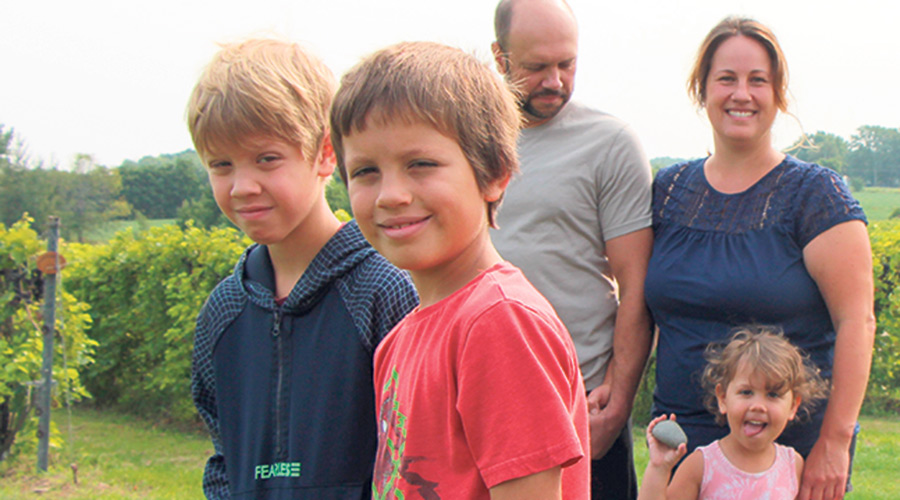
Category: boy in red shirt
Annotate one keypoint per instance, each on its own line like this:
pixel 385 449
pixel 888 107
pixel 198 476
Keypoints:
pixel 478 390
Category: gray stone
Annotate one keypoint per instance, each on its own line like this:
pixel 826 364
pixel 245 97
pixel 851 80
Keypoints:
pixel 669 433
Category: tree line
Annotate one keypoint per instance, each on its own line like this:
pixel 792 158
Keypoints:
pixel 870 158
pixel 174 186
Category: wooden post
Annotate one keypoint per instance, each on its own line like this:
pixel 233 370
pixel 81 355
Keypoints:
pixel 48 330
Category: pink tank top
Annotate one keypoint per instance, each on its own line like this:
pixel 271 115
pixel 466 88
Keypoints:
pixel 724 481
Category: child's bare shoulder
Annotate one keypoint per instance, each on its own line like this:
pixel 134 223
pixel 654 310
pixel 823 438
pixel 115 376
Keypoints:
pixel 688 478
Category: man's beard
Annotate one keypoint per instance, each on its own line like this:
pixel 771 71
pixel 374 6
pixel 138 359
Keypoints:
pixel 526 106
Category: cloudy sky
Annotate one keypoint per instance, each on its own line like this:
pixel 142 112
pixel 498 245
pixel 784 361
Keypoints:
pixel 111 78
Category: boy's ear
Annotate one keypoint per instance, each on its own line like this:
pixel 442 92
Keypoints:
pixel 496 188
pixel 500 58
pixel 720 398
pixel 325 159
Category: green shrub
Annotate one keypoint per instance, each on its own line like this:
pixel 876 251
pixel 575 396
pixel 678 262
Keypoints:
pixel 145 290
pixel 883 393
pixel 22 343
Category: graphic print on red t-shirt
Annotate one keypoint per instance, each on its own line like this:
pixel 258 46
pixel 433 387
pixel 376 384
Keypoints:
pixel 390 463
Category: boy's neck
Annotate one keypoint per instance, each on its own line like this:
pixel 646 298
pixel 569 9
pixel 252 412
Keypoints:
pixel 293 255
pixel 438 283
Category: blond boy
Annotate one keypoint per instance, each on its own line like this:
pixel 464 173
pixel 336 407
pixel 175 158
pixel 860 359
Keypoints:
pixel 478 390
pixel 283 349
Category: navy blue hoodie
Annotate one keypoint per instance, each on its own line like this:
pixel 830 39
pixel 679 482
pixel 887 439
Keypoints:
pixel 286 390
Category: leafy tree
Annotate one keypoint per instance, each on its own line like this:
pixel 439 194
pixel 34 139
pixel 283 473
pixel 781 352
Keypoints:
pixel 5 139
pixel 336 195
pixel 83 198
pixel 89 197
pixel 824 148
pixel 157 186
pixel 21 339
pixel 21 189
pixel 875 155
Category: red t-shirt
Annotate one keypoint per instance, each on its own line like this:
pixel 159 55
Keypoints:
pixel 478 389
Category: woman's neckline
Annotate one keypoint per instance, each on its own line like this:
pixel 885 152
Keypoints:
pixel 777 167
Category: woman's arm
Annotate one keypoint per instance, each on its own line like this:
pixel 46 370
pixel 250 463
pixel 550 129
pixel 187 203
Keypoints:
pixel 840 262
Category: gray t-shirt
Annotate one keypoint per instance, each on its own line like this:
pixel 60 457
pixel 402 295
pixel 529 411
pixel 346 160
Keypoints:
pixel 584 180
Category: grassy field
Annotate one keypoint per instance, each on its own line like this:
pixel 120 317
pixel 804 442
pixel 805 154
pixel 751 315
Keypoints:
pixel 125 458
pixel 117 457
pixel 879 202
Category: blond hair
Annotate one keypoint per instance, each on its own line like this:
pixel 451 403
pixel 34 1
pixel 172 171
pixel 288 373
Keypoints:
pixel 261 87
pixel 765 349
pixel 442 86
pixel 728 28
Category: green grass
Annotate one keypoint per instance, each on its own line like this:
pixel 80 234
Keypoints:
pixel 875 467
pixel 117 457
pixel 124 457
pixel 879 202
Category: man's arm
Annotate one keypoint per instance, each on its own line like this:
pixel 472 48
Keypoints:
pixel 610 403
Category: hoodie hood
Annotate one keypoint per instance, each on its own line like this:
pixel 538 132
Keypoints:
pixel 340 255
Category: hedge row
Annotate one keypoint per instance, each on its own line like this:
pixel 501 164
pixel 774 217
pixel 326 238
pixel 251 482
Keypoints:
pixel 139 295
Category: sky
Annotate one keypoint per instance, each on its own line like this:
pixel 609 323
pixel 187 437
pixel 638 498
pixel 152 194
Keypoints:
pixel 111 78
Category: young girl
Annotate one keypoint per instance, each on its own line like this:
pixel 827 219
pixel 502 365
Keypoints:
pixel 756 383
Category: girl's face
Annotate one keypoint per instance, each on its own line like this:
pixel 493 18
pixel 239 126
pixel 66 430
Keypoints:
pixel 756 413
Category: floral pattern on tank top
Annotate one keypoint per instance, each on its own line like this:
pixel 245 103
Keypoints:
pixel 723 481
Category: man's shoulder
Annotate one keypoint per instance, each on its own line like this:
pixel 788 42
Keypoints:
pixel 579 113
pixel 580 124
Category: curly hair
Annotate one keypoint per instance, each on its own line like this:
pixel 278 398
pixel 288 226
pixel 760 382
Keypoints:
pixel 764 348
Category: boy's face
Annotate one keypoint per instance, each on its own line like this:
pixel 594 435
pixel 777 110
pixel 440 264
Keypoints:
pixel 266 187
pixel 415 197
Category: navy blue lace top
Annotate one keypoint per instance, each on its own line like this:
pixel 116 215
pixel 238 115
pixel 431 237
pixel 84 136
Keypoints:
pixel 725 260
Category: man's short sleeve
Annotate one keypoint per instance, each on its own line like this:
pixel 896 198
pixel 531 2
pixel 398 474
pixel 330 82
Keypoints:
pixel 624 181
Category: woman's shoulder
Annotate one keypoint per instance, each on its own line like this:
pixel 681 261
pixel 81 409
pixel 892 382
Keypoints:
pixel 678 172
pixel 818 194
pixel 806 175
pixel 806 167
pixel 681 166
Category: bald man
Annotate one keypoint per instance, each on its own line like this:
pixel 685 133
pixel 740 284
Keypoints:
pixel 577 222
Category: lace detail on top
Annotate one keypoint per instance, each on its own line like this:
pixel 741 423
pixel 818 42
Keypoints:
pixel 723 481
pixel 805 198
